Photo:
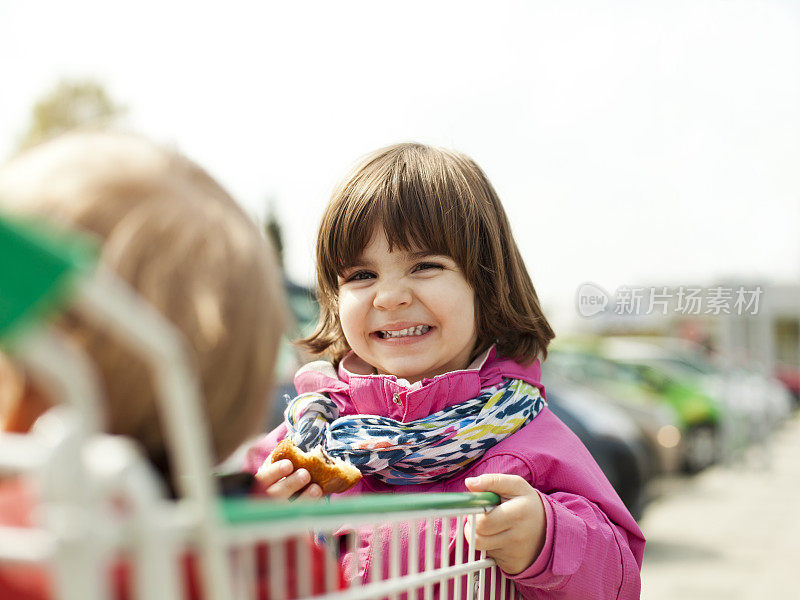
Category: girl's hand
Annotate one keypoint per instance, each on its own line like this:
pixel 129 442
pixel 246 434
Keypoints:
pixel 512 533
pixel 280 481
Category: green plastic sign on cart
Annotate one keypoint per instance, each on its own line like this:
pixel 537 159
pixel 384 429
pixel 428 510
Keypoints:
pixel 39 268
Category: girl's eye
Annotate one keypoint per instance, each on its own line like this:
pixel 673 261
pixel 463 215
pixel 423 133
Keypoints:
pixel 360 276
pixel 425 266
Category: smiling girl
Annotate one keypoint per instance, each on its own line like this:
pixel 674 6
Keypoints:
pixel 435 334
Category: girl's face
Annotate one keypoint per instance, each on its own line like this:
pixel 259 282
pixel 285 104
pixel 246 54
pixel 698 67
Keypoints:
pixel 407 313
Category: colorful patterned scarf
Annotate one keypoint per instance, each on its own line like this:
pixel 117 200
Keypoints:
pixel 426 450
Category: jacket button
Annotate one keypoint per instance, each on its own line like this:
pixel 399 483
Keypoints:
pixel 396 399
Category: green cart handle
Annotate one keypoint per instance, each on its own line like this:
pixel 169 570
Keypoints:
pixel 240 511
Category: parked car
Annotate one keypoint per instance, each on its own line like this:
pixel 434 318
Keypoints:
pixel 303 310
pixel 789 376
pixel 658 422
pixel 752 404
pixel 698 415
pixel 610 436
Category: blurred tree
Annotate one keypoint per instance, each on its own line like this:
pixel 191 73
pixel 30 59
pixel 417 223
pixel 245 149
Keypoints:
pixel 69 105
pixel 274 231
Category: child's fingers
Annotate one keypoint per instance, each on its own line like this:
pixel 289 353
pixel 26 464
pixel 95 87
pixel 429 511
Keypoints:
pixel 271 473
pixel 507 486
pixel 312 492
pixel 516 512
pixel 498 541
pixel 512 533
pixel 513 549
pixel 493 523
pixel 289 486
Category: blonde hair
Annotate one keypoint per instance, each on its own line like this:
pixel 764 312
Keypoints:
pixel 438 200
pixel 183 244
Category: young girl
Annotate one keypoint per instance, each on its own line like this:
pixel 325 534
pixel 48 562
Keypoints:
pixel 435 331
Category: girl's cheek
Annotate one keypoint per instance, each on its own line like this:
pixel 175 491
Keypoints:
pixel 348 315
pixel 354 299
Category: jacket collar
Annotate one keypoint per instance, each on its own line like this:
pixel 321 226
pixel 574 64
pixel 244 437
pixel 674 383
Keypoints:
pixel 356 391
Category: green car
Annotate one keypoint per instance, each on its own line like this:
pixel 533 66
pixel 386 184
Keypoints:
pixel 698 414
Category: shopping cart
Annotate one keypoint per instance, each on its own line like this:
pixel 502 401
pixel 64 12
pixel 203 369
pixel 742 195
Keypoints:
pixel 391 546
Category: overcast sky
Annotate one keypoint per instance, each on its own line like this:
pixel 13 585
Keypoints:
pixel 632 142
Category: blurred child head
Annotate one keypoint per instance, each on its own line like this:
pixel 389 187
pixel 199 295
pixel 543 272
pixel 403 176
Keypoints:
pixel 439 201
pixel 182 243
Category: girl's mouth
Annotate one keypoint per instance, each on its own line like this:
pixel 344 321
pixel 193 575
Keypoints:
pixel 402 333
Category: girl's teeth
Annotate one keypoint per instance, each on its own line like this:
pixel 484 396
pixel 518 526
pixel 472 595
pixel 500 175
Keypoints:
pixel 418 330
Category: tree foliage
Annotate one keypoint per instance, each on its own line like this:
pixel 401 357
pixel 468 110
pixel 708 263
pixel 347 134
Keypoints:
pixel 69 105
pixel 274 232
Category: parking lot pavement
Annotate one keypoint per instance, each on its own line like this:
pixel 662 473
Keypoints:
pixel 731 532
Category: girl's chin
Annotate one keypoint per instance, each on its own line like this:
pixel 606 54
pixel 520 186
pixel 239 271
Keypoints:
pixel 412 376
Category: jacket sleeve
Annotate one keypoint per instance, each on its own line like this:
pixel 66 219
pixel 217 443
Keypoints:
pixel 585 555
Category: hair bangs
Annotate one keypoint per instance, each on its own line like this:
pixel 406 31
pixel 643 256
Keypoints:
pixel 414 205
pixel 412 224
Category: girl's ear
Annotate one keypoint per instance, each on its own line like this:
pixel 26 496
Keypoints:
pixel 20 403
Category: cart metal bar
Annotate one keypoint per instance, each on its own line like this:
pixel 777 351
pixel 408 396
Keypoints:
pixel 67 498
pixel 376 562
pixel 459 556
pixel 445 558
pixel 109 301
pixel 252 510
pixel 471 556
pixel 20 453
pixel 271 530
pixel 394 553
pixel 430 545
pixel 277 565
pixel 413 548
pixel 25 545
pixel 382 589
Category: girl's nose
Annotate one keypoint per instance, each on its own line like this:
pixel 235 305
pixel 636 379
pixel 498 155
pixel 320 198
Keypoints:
pixel 391 294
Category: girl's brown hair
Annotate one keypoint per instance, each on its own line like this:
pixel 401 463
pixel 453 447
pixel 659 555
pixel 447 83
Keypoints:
pixel 439 200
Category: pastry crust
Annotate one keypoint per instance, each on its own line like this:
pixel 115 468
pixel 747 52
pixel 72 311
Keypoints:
pixel 331 474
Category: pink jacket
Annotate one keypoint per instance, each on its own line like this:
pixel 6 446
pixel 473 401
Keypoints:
pixel 593 547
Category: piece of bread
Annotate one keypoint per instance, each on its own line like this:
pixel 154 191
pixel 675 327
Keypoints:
pixel 333 475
